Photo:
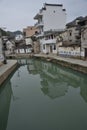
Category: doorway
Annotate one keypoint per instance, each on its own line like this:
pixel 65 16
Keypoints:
pixel 86 53
pixel 50 49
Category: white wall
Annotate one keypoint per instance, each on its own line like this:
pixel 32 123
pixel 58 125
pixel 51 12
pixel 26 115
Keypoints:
pixel 0 46
pixel 28 50
pixel 83 53
pixel 1 55
pixel 69 51
pixel 9 45
pixel 55 51
pixel 48 50
pixel 28 41
pixel 19 37
pixel 84 38
pixel 20 51
pixel 54 18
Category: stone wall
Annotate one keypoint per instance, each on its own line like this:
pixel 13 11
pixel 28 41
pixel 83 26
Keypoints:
pixel 5 74
pixel 36 47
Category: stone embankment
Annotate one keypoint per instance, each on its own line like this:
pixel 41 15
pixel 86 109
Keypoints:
pixel 75 64
pixel 18 56
pixel 7 69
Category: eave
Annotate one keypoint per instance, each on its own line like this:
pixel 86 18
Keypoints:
pixel 38 16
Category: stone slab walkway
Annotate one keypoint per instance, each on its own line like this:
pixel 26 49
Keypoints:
pixel 75 64
pixel 68 60
pixel 6 70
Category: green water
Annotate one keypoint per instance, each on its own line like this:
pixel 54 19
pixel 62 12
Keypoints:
pixel 43 96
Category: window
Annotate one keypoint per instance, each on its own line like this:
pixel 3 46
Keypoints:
pixel 36 32
pixel 51 36
pixel 44 47
pixel 54 47
pixel 24 33
pixel 70 32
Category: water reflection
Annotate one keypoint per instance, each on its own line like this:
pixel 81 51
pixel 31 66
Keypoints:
pixel 5 98
pixel 83 88
pixel 31 92
pixel 56 80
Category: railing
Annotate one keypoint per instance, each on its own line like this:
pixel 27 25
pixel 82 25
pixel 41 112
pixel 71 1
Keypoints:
pixel 50 41
pixel 39 24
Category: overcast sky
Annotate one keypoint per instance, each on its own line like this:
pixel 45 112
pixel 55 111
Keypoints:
pixel 17 14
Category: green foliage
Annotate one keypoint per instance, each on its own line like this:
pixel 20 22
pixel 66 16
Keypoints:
pixel 3 33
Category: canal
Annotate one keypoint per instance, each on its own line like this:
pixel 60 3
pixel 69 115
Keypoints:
pixel 41 95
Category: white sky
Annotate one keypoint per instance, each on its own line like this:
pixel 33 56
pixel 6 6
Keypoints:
pixel 17 14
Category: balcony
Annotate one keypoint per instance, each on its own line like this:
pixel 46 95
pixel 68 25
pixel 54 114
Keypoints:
pixel 39 15
pixel 50 41
pixel 39 24
pixel 40 34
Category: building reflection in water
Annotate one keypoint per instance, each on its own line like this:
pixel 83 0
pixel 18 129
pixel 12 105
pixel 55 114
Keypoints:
pixel 56 80
pixel 5 99
pixel 83 89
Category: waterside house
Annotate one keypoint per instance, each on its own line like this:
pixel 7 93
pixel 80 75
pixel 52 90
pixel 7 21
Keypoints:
pixel 21 46
pixel 10 47
pixel 83 24
pixel 69 41
pixel 51 19
pixel 1 51
pixel 30 40
pixel 2 46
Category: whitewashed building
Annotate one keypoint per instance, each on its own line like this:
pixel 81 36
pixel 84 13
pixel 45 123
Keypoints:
pixel 50 19
pixel 19 38
pixel 69 41
pixel 10 45
pixel 83 24
pixel 28 41
pixel 1 53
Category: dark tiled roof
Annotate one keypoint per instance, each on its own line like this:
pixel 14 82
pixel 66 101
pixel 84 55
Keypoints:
pixel 84 19
pixel 53 4
pixel 23 46
pixel 73 23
